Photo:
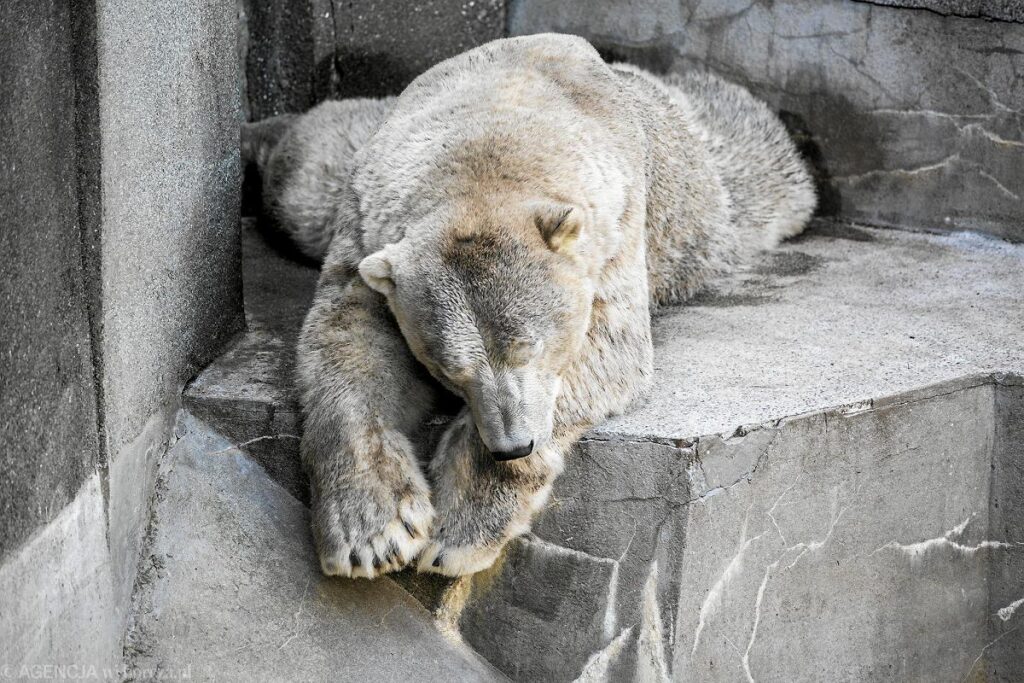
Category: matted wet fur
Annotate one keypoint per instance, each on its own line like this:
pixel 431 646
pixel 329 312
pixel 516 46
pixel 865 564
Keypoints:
pixel 502 230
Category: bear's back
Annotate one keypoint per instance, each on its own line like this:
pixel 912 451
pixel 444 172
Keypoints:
pixel 543 111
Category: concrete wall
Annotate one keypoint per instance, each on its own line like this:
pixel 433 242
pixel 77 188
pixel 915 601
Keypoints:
pixel 48 442
pixel 299 53
pixel 876 542
pixel 169 118
pixel 1006 520
pixel 913 117
pixel 121 278
pixel 911 110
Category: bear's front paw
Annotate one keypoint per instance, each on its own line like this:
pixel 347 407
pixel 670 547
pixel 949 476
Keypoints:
pixel 371 511
pixel 447 557
pixel 481 503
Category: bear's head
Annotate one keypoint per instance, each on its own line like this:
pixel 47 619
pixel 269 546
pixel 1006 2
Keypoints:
pixel 496 309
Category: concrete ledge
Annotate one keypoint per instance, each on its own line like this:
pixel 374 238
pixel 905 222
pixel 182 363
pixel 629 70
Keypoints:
pixel 839 317
pixel 230 588
pixel 832 441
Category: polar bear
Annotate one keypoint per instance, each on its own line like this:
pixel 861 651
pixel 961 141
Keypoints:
pixel 501 231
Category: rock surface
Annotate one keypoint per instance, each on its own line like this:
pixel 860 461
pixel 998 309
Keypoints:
pixel 828 321
pixel 120 273
pixel 912 118
pixel 230 587
pixel 297 54
pixel 47 392
pixel 833 471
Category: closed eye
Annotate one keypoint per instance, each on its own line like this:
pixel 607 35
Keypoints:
pixel 523 351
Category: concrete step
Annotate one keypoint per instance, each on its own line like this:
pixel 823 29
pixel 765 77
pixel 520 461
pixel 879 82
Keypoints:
pixel 828 467
pixel 229 588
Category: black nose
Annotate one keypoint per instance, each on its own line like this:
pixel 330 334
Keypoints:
pixel 513 454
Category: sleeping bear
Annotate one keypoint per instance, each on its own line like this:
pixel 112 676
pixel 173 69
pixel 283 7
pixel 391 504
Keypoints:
pixel 501 231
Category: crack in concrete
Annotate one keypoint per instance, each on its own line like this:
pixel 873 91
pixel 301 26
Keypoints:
pixel 858 67
pixel 928 112
pixel 992 97
pixel 916 170
pixel 944 163
pixel 980 654
pixel 747 477
pixel 983 16
pixel 554 549
pixel 257 439
pixel 804 548
pixel 1002 188
pixel 757 618
pixel 814 546
pixel 298 613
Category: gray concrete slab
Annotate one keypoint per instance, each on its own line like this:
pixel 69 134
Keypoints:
pixel 851 400
pixel 57 597
pixel 844 548
pixel 882 543
pixel 839 316
pixel 230 588
pixel 829 321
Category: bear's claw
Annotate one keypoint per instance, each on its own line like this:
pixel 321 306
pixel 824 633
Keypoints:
pixel 456 561
pixel 391 550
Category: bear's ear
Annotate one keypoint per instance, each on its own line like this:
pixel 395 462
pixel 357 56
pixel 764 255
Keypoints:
pixel 560 225
pixel 377 272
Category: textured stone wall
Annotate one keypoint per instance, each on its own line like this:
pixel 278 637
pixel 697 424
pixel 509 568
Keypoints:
pixel 170 166
pixel 299 53
pixel 48 442
pixel 913 117
pixel 1005 10
pixel 911 110
pixel 119 279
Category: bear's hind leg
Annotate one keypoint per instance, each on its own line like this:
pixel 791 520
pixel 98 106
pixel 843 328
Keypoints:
pixel 363 395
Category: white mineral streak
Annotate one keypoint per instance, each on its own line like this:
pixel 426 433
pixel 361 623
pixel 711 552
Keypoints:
pixel 804 548
pixel 651 665
pixel 596 668
pixel 814 546
pixel 757 618
pixel 1006 613
pixel 947 540
pixel 611 616
pixel 714 597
